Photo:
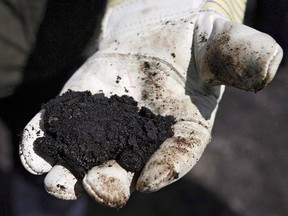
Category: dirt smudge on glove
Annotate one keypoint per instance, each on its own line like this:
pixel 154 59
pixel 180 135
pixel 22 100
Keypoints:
pixel 234 64
pixel 84 130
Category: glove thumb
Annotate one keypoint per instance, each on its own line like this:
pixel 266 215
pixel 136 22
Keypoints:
pixel 235 55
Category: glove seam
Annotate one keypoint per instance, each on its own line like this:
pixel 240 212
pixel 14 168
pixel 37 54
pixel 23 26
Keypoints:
pixel 96 196
pixel 136 58
pixel 155 20
pixel 203 10
pixel 150 22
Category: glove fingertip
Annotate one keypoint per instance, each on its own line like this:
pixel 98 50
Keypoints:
pixel 238 56
pixel 174 158
pixel 33 162
pixel 61 183
pixel 109 184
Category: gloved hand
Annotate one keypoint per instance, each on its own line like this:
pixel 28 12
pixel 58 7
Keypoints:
pixel 173 57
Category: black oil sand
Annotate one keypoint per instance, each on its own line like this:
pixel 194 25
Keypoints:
pixel 83 130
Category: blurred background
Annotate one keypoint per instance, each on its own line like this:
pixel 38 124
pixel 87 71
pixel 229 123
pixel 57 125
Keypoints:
pixel 244 170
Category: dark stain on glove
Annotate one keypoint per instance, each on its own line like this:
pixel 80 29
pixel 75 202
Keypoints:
pixel 235 63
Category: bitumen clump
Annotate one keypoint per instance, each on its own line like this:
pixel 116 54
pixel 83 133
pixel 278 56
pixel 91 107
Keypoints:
pixel 84 130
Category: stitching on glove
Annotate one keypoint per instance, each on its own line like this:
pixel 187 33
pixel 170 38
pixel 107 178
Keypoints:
pixel 136 59
pixel 143 23
pixel 269 64
pixel 24 159
pixel 95 195
pixel 131 2
pixel 212 11
pixel 27 166
pixel 125 4
pixel 150 26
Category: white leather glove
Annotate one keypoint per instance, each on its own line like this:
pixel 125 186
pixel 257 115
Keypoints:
pixel 173 57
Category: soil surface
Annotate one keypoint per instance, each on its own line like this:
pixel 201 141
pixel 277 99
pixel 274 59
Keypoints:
pixel 85 130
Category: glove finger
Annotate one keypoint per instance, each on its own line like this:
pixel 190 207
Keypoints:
pixel 33 162
pixel 109 184
pixel 61 183
pixel 174 158
pixel 238 56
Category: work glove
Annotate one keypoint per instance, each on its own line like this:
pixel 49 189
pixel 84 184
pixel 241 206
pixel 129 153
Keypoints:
pixel 173 57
